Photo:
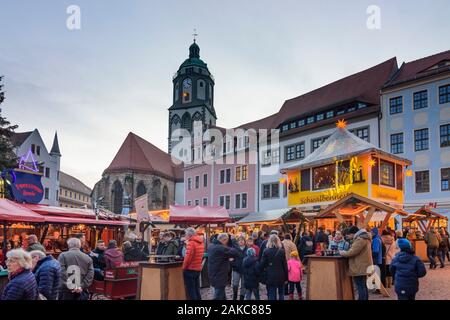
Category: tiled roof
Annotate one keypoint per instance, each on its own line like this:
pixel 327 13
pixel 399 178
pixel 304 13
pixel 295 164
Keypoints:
pixel 139 155
pixel 363 86
pixel 18 138
pixel 69 182
pixel 421 68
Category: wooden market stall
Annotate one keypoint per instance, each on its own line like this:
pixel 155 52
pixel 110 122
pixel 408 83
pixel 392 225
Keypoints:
pixel 162 277
pixel 419 223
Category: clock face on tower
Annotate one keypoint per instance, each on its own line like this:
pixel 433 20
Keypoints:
pixel 187 84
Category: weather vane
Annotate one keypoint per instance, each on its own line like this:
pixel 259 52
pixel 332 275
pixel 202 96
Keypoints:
pixel 195 34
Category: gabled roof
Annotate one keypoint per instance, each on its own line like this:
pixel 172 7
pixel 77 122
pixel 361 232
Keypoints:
pixel 139 155
pixel 421 68
pixel 342 144
pixel 363 86
pixel 18 138
pixel 72 183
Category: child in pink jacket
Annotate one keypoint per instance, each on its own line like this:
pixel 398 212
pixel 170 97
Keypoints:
pixel 295 275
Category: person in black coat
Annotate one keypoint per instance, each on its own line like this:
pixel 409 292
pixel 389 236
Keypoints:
pixel 98 260
pixel 305 246
pixel 274 264
pixel 219 257
pixel 250 272
pixel 133 253
pixel 236 265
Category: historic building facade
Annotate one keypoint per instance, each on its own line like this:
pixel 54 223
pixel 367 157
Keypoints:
pixel 416 125
pixel 139 168
pixel 73 193
pixel 31 149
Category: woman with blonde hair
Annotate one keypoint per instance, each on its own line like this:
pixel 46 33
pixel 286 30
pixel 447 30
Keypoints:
pixel 274 264
pixel 22 283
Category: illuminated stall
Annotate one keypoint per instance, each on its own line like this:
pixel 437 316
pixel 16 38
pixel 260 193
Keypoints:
pixel 345 165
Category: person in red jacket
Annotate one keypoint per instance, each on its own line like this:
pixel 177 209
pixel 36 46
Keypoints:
pixel 192 264
pixel 113 256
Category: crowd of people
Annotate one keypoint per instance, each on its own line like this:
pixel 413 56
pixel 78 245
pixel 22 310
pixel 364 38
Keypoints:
pixel 243 261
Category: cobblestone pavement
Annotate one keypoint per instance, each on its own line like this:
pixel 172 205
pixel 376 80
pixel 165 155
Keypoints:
pixel 434 286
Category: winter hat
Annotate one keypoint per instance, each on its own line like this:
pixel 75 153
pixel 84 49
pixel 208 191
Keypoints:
pixel 251 252
pixel 352 230
pixel 294 254
pixel 403 244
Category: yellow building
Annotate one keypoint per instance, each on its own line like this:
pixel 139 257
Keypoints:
pixel 346 164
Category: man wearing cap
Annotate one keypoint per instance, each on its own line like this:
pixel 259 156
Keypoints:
pixel 406 269
pixel 359 259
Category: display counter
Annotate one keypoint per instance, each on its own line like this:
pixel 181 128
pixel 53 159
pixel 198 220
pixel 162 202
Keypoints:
pixel 161 281
pixel 328 278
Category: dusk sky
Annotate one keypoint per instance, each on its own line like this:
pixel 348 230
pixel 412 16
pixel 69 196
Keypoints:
pixel 114 75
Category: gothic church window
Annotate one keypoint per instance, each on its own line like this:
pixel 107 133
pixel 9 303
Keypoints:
pixel 141 189
pixel 117 197
pixel 186 122
pixel 165 198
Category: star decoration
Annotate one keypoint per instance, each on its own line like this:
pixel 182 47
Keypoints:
pixel 372 162
pixel 341 124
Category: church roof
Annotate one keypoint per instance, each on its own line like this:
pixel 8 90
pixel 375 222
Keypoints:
pixel 363 86
pixel 138 155
pixel 342 144
pixel 417 69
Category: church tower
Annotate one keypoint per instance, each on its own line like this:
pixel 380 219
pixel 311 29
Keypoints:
pixel 193 95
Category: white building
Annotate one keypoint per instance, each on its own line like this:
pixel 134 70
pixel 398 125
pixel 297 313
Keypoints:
pixel 31 147
pixel 305 122
pixel 416 126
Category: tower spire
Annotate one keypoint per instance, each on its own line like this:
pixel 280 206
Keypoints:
pixel 195 34
pixel 55 146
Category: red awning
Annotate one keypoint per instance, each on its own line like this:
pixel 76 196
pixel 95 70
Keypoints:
pixel 11 211
pixel 70 220
pixel 61 211
pixel 198 215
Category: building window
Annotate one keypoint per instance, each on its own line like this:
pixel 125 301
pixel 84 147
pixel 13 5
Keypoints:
pixel 444 94
pixel 362 133
pixel 301 122
pixel 271 190
pixel 324 177
pixel 205 180
pixel 224 201
pixel 228 176
pixel 445 135
pixel 271 157
pixel 421 139
pixel 238 174
pixel 65 193
pixel 237 201
pixel 46 193
pixel 285 127
pixel 244 201
pixel 197 202
pixel 197 182
pixel 397 143
pixel 189 203
pixel 189 183
pixel 310 120
pixel 294 152
pixel 340 111
pixel 205 202
pixel 38 150
pixel 320 116
pixel 445 179
pixel 33 148
pixel 244 173
pixel 396 105
pixel 422 181
pixel 57 195
pixel 47 172
pixel 387 173
pixel 293 125
pixel 316 143
pixel 420 99
pixel 330 114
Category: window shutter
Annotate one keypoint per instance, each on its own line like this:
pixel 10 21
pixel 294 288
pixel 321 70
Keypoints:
pixel 375 172
pixel 399 176
pixel 305 178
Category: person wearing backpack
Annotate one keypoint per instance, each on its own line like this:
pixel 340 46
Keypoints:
pixel 274 264
pixel 305 246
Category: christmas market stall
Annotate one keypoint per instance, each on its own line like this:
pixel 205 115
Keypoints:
pixel 162 277
pixel 418 224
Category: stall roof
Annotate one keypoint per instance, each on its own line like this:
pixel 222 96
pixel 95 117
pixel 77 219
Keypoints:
pixel 71 220
pixel 198 214
pixel 342 144
pixel 60 211
pixel 261 217
pixel 425 213
pixel 11 211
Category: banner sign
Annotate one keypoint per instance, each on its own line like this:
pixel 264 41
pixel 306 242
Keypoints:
pixel 24 186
